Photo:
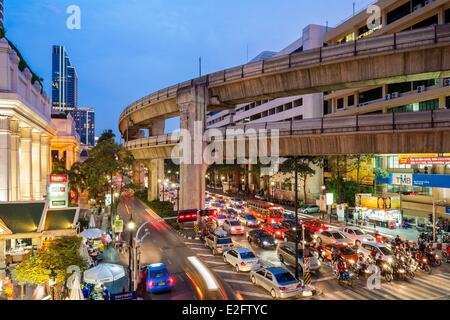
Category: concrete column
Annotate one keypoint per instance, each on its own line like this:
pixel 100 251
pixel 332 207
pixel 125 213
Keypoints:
pixel 25 164
pixel 155 173
pixel 158 127
pixel 5 158
pixel 45 158
pixel 251 183
pixel 15 158
pixel 36 165
pixel 192 102
pixel 138 179
pixel 69 157
pixel 442 103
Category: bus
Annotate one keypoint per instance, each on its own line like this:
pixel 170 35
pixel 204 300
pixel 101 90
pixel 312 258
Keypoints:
pixel 265 212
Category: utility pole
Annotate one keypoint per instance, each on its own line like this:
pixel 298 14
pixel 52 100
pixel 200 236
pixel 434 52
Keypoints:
pixel 296 217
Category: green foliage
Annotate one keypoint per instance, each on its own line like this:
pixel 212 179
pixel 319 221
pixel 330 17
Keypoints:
pixel 347 189
pixel 164 210
pixel 58 254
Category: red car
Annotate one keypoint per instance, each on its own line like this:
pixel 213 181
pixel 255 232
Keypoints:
pixel 314 226
pixel 275 229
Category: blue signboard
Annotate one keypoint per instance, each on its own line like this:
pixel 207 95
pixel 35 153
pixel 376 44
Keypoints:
pixel 447 211
pixel 422 180
pixel 124 296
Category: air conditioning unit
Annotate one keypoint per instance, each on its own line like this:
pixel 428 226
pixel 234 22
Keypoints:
pixel 395 95
pixel 388 96
pixel 421 89
pixel 447 82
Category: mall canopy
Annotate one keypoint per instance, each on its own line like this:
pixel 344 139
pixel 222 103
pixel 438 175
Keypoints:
pixel 92 233
pixel 104 273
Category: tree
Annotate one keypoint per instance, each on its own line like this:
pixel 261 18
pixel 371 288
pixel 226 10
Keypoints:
pixel 301 165
pixel 59 255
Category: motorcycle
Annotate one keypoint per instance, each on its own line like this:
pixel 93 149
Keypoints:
pixel 387 272
pixel 398 269
pixel 423 264
pixel 346 278
pixel 446 254
pixel 433 258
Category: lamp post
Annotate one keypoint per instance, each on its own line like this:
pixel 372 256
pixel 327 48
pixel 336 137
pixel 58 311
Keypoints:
pixel 131 226
pixel 52 282
pixel 323 188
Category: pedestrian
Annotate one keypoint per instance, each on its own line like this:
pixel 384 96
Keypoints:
pixel 9 289
pixel 446 225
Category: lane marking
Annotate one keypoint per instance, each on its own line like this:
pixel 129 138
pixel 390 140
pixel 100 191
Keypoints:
pixel 254 294
pixel 226 271
pixel 238 281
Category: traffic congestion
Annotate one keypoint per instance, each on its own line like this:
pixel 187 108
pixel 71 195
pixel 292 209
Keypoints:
pixel 257 240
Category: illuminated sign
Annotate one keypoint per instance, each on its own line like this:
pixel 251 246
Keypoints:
pixel 330 199
pixel 424 159
pixel 58 191
pixel 402 179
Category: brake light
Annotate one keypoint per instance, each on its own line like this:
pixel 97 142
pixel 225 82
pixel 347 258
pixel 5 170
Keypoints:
pixel 283 288
pixel 243 263
pixel 151 284
pixel 171 280
pixel 299 285
pixel 278 233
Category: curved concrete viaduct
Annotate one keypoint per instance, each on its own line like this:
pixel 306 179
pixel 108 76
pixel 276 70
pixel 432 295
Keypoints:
pixel 407 56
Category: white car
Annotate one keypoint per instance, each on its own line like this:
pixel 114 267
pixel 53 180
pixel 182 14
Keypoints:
pixel 242 259
pixel 278 281
pixel 357 235
pixel 367 248
pixel 332 237
pixel 220 219
pixel 233 227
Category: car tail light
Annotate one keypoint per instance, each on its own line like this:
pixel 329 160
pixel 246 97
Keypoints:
pixel 151 284
pixel 278 233
pixel 243 263
pixel 283 288
pixel 171 280
pixel 299 285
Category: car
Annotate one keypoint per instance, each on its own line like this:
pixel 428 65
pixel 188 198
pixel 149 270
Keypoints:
pixel 314 225
pixel 220 219
pixel 276 229
pixel 357 235
pixel 242 259
pixel 236 201
pixel 349 254
pixel 159 278
pixel 233 227
pixel 248 220
pixel 332 237
pixel 218 242
pixel 310 209
pixel 240 209
pixel 285 252
pixel 278 281
pixel 367 248
pixel 261 238
pixel 290 236
pixel 231 213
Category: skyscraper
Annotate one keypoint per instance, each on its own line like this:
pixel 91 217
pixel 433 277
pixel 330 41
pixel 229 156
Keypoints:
pixel 65 96
pixel 1 14
pixel 64 81
pixel 85 123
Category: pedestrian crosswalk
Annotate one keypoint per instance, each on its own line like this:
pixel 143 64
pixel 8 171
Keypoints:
pixel 425 287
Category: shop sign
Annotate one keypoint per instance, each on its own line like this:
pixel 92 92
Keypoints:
pixel 108 200
pixel 124 296
pixel 431 180
pixel 447 211
pixel 402 179
pixel 425 159
pixel 372 202
pixel 118 226
pixel 58 191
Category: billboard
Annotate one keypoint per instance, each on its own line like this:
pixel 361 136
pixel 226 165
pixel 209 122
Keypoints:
pixel 424 159
pixel 58 191
pixel 417 180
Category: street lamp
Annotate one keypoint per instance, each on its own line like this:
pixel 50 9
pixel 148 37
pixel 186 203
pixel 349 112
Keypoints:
pixel 131 225
pixel 52 282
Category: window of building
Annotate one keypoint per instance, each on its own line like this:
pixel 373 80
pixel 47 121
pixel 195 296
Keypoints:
pixel 447 102
pixel 418 106
pixel 298 118
pixel 398 13
pixel 288 106
pixel 426 83
pixel 447 16
pixel 255 117
pixel 272 111
pixel 351 101
pixel 431 21
pixel 279 109
pixel 298 103
pixel 340 103
pixel 394 164
pixel 327 107
pixel 265 114
pixel 399 87
pixel 371 95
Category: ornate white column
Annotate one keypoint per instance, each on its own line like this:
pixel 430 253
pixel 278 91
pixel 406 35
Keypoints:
pixel 36 165
pixel 15 158
pixel 5 158
pixel 69 157
pixel 45 158
pixel 25 164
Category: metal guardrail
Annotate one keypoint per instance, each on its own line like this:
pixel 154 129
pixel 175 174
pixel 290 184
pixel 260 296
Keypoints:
pixel 414 39
pixel 408 121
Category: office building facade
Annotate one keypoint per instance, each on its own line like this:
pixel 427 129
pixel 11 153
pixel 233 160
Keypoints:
pixel 85 122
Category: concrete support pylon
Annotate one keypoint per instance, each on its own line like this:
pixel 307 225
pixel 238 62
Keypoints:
pixel 192 103
pixel 5 158
pixel 25 164
pixel 155 174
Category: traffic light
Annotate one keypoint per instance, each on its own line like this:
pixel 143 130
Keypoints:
pixel 187 216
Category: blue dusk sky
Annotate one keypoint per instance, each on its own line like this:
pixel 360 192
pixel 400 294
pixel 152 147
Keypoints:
pixel 127 49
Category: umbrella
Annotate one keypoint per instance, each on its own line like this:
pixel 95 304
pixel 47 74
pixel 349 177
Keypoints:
pixel 92 233
pixel 75 289
pixel 103 273
pixel 92 222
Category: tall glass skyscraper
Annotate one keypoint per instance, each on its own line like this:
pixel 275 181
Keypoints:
pixel 65 96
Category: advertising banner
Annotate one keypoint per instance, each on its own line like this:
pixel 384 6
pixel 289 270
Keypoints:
pixel 58 191
pixel 424 159
pixel 417 180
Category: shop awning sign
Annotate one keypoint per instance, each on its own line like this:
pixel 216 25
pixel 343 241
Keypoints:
pixel 425 159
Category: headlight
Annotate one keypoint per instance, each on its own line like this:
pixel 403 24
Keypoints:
pixel 385 266
pixel 390 260
pixel 352 261
pixel 425 260
pixel 401 271
pixel 265 243
pixel 437 257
